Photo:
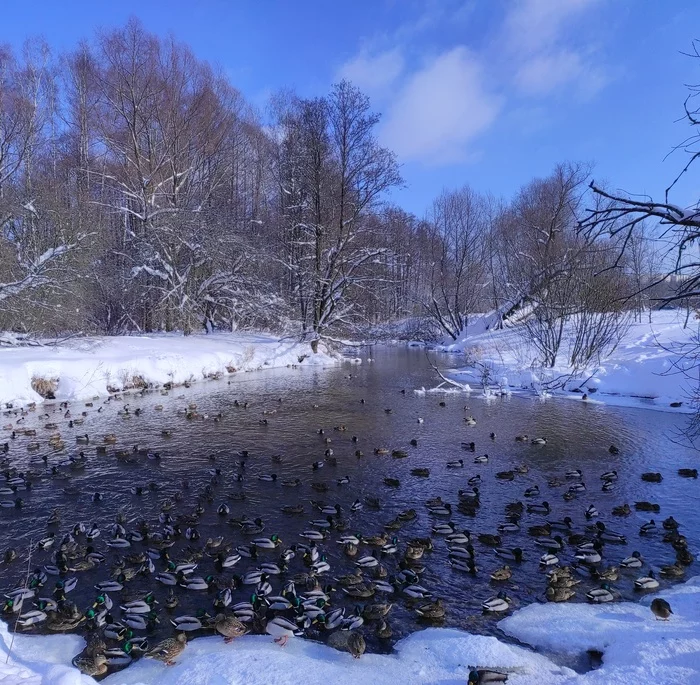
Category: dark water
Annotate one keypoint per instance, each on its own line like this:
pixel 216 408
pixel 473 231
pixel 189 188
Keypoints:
pixel 578 436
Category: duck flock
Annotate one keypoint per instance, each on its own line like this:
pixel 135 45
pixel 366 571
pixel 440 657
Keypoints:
pixel 130 584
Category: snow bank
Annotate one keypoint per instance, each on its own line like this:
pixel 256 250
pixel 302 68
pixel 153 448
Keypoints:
pixel 89 367
pixel 642 371
pixel 636 649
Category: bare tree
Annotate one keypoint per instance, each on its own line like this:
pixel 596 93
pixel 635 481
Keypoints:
pixel 459 228
pixel 332 174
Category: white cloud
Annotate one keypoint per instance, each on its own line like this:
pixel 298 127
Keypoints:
pixel 545 73
pixel 532 25
pixel 534 33
pixel 440 109
pixel 373 73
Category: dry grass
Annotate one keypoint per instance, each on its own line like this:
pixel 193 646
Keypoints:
pixel 46 387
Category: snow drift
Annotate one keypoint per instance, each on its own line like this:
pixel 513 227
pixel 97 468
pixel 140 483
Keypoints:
pixel 83 368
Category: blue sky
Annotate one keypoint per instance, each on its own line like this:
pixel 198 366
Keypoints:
pixel 485 92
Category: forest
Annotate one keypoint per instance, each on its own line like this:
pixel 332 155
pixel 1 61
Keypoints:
pixel 140 192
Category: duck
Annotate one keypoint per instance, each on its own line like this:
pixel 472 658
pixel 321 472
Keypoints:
pixel 374 612
pixel 661 609
pixel 281 629
pixel 481 676
pixel 502 574
pixel 647 528
pixel 348 641
pixel 515 554
pixel 169 649
pixel 688 473
pixel 632 561
pixel 482 459
pixel 648 582
pixel 670 523
pixel 559 594
pixel 622 510
pixel 521 438
pixel 229 626
pixel 554 544
pixel 608 535
pixel 542 508
pixel 600 595
pixel 650 477
pixel 549 559
pixel 591 512
pixel 499 603
pixel 91 664
pixel 187 623
pixel 457 464
pixel 432 610
pixel 672 571
pixel 538 441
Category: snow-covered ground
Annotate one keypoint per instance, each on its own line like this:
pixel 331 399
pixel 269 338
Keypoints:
pixel 636 649
pixel 82 368
pixel 642 371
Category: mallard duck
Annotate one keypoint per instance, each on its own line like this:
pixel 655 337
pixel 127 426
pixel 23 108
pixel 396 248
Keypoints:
pixel 505 475
pixel 600 595
pixel 650 477
pixel 549 559
pixel 661 609
pixel 591 512
pixel 421 472
pixel 293 483
pixel 392 482
pixel 521 438
pixel 281 629
pixel 538 441
pixel 554 544
pixel 374 612
pixel 480 676
pixel 169 649
pixel 646 582
pixel 633 561
pixel 432 610
pixel 482 459
pixel 229 626
pixel 622 510
pixel 359 590
pixel 670 523
pixel 516 554
pixel 559 594
pixel 608 535
pixel 497 604
pixel 376 540
pixel 610 573
pixel 688 473
pixel 91 664
pixel 457 464
pixel 574 473
pixel 672 571
pixel 540 531
pixel 348 641
pixel 647 528
pixel 489 539
pixel 502 574
pixel 542 508
pixel 187 623
pixel 384 631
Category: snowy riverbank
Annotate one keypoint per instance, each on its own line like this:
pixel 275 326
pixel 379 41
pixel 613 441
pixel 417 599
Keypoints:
pixel 636 649
pixel 82 368
pixel 642 371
